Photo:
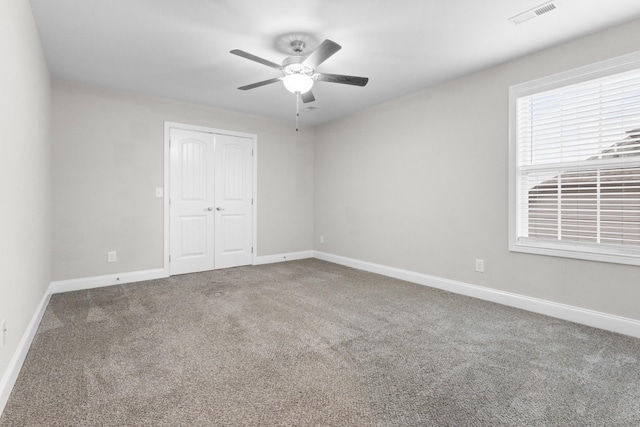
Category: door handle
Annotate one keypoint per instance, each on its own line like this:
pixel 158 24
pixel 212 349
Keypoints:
pixel 220 209
pixel 209 209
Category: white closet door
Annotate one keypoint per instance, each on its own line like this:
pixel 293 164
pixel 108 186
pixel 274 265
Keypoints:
pixel 192 201
pixel 234 201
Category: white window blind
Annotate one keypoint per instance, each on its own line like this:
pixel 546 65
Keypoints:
pixel 577 168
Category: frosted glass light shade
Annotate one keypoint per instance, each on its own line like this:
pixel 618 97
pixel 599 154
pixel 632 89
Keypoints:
pixel 298 83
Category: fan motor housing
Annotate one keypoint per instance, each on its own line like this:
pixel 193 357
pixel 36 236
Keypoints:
pixel 294 65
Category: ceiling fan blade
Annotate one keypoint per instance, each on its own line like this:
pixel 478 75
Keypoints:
pixel 247 55
pixel 322 53
pixel 339 78
pixel 307 97
pixel 258 84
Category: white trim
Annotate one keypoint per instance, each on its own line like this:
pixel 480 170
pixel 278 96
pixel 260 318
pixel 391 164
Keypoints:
pixel 10 375
pixel 107 280
pixel 290 256
pixel 167 139
pixel 166 154
pixel 255 200
pixel 596 319
pixel 583 316
pixel 615 255
pixel 603 68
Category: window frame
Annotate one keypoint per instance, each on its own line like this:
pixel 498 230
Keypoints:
pixel 565 249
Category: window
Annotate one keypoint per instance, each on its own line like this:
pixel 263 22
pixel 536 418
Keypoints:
pixel 575 163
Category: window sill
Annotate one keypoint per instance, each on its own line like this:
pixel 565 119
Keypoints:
pixel 630 256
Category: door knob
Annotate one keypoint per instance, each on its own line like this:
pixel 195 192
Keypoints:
pixel 209 209
pixel 219 208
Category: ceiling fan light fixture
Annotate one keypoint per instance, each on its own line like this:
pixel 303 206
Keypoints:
pixel 298 83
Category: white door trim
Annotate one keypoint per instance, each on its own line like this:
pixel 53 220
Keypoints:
pixel 167 135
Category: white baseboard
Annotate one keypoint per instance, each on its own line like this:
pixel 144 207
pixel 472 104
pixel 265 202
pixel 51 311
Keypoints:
pixel 108 280
pixel 291 256
pixel 15 364
pixel 583 316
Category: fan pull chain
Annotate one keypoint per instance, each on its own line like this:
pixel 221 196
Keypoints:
pixel 297 109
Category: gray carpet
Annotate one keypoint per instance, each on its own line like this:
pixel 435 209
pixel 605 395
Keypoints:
pixel 309 343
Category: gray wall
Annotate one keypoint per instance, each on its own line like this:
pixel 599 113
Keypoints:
pixel 108 160
pixel 24 172
pixel 421 183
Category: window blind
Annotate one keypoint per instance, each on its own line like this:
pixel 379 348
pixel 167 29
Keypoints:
pixel 578 165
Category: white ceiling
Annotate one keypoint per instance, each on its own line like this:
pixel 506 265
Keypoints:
pixel 179 49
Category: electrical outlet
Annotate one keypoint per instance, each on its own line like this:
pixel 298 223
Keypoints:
pixel 480 265
pixel 322 239
pixel 3 331
pixel 112 256
pixel 159 192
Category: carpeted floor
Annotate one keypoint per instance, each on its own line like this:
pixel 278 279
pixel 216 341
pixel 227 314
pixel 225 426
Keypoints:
pixel 309 343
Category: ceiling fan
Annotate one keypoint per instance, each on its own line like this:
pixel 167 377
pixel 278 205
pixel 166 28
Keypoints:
pixel 299 71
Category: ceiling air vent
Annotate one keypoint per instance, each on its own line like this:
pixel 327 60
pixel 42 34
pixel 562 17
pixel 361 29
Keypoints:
pixel 535 12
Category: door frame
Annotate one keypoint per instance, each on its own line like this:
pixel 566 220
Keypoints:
pixel 167 183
